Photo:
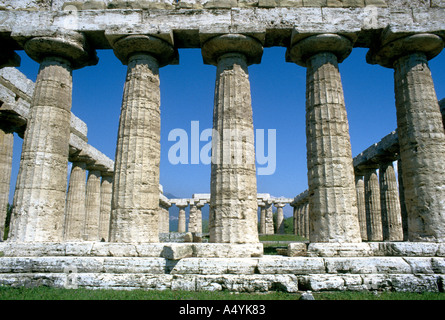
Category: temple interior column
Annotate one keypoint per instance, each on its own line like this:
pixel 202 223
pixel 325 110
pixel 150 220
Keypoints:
pixel 390 203
pixel 39 200
pixel 280 217
pixel 233 191
pixel 332 194
pixel 92 206
pixel 420 130
pixel 135 199
pixel 75 203
pixel 182 217
pixel 106 186
pixel 372 205
pixel 361 207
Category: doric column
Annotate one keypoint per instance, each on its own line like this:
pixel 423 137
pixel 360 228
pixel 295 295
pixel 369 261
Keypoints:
pixel 361 207
pixel 280 217
pixel 262 207
pixel 268 219
pixel 233 192
pixel 6 148
pixel 135 204
pixel 390 203
pixel 195 217
pixel 332 195
pixel 164 215
pixel 181 218
pixel 420 131
pixel 39 200
pixel 106 186
pixel 307 220
pixel 372 205
pixel 92 206
pixel 300 221
pixel 294 217
pixel 75 203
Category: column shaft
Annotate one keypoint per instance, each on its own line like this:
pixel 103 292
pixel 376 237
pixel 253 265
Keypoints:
pixel 372 204
pixel 75 203
pixel 390 203
pixel 280 219
pixel 136 182
pixel 39 203
pixel 233 201
pixel 330 171
pixel 106 187
pixel 422 148
pixel 360 189
pixel 268 221
pixel 92 206
pixel 182 219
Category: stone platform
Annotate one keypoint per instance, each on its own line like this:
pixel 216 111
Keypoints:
pixel 379 266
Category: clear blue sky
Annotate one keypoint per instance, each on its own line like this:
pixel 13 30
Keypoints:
pixel 278 102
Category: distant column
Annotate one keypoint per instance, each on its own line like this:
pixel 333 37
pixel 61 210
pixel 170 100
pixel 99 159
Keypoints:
pixel 195 217
pixel 372 204
pixel 307 220
pixel 360 189
pixel 390 203
pixel 262 207
pixel 268 220
pixel 40 196
pixel 75 203
pixel 333 200
pixel 135 205
pixel 233 191
pixel 420 130
pixel 6 148
pixel 280 217
pixel 106 186
pixel 182 217
pixel 92 206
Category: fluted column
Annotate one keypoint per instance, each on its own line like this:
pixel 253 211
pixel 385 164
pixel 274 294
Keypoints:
pixel 294 218
pixel 307 220
pixel 233 190
pixel 195 218
pixel 262 207
pixel 361 207
pixel 372 205
pixel 332 194
pixel 92 206
pixel 280 217
pixel 390 203
pixel 6 149
pixel 75 203
pixel 420 131
pixel 39 200
pixel 268 219
pixel 106 186
pixel 135 200
pixel 182 217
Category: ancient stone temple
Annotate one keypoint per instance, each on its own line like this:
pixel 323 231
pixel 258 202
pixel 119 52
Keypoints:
pixel 375 221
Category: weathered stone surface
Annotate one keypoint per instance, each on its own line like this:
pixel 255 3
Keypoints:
pixel 215 266
pixel 233 193
pixel 135 206
pixel 92 207
pixel 283 265
pixel 339 250
pixel 106 189
pixel 332 195
pixel 372 206
pixel 177 251
pixel 420 130
pixel 223 250
pixel 296 249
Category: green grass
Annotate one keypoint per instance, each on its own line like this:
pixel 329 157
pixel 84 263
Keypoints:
pixel 47 293
pixel 281 237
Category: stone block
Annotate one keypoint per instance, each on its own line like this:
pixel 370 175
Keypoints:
pixel 135 265
pixel 287 265
pixel 176 251
pixel 215 266
pixel 297 249
pixel 226 250
pixel 339 250
pixel 367 265
pixel 314 3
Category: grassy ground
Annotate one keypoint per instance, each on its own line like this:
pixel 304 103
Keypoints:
pixel 46 293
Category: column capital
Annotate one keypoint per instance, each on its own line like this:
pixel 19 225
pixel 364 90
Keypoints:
pixel 160 49
pixel 217 46
pixel 69 45
pixel 388 52
pixel 302 50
